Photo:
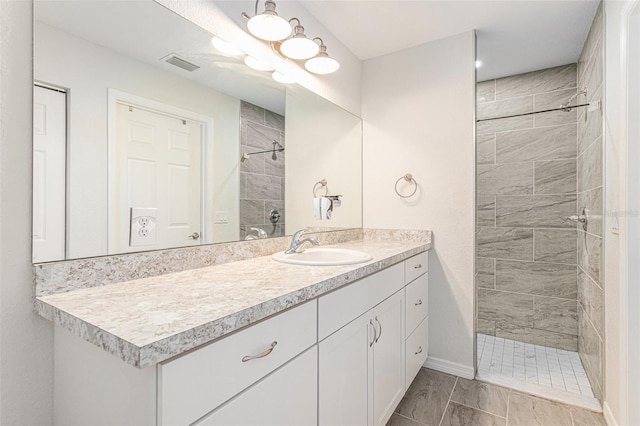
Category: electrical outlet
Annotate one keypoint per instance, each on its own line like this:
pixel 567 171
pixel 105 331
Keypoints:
pixel 142 226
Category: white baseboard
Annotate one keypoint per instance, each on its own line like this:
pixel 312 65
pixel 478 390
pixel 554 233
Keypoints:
pixel 608 415
pixel 450 367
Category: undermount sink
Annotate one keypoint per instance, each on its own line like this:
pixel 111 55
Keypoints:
pixel 323 256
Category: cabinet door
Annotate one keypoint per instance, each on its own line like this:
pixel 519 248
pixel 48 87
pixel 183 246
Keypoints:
pixel 345 374
pixel 286 397
pixel 388 357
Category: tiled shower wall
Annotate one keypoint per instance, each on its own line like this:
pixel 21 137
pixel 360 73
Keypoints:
pixel 590 148
pixel 526 188
pixel 261 177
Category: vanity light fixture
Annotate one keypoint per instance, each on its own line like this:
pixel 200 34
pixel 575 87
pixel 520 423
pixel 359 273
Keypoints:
pixel 268 25
pixel 322 63
pixel 252 62
pixel 282 78
pixel 299 46
pixel 225 47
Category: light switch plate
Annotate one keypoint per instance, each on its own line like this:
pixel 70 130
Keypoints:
pixel 222 217
pixel 142 226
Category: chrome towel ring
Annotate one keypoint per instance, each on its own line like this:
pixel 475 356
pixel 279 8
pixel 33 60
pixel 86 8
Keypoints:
pixel 408 178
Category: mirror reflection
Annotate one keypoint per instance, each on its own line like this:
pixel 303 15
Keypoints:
pixel 147 136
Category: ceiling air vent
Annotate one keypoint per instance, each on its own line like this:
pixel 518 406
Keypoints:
pixel 177 61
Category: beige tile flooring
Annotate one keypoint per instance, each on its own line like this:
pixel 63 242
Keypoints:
pixel 439 399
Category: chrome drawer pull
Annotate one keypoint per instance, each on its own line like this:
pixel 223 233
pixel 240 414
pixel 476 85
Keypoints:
pixel 375 332
pixel 262 355
pixel 379 335
pixel 418 266
pixel 419 302
pixel 419 351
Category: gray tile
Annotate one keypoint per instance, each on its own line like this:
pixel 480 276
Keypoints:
pixel 483 396
pixel 589 129
pixel 486 149
pixel 593 71
pixel 505 179
pixel 251 112
pixel 398 420
pixel 253 164
pixel 551 100
pixel 556 246
pixel 590 255
pixel 527 410
pixel 590 350
pixel 261 187
pixel 486 327
pixel 274 167
pixel 535 211
pixel 274 120
pixel 485 272
pixel 503 307
pixel 558 315
pixel 243 186
pixel 545 279
pixel 243 132
pixel 505 124
pixel 505 243
pixel 590 167
pixel 555 177
pixel 543 143
pixel 261 137
pixel 459 415
pixel 486 91
pixel 505 107
pixel 595 34
pixel 567 342
pixel 252 212
pixel 592 201
pixel 547 80
pixel 590 298
pixel 427 397
pixel 583 417
pixel 486 210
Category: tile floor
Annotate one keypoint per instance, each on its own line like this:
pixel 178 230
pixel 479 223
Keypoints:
pixel 439 399
pixel 542 365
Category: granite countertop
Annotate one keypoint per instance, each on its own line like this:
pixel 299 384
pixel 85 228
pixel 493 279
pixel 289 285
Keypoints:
pixel 149 320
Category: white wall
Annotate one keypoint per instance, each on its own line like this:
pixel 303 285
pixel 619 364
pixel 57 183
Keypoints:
pixel 329 146
pixel 622 304
pixel 26 340
pixel 88 70
pixel 222 18
pixel 418 111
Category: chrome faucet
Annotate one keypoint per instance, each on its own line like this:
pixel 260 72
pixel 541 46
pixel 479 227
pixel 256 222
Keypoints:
pixel 296 242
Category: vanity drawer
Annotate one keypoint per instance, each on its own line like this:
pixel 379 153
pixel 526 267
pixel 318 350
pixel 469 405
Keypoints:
pixel 342 306
pixel 417 349
pixel 417 302
pixel 194 384
pixel 415 266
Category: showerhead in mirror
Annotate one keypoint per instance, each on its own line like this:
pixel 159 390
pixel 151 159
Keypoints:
pixel 280 148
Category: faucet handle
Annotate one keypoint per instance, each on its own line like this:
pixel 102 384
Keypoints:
pixel 297 234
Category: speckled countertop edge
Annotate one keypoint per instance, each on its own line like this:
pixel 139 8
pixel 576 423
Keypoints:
pixel 148 352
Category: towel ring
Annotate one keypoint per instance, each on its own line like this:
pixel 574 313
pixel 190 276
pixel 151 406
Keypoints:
pixel 408 178
pixel 323 184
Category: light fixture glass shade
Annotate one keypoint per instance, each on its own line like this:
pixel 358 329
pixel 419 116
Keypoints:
pixel 252 62
pixel 299 46
pixel 322 64
pixel 281 78
pixel 225 47
pixel 268 25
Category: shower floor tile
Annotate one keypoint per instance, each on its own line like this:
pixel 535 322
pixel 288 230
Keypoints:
pixel 510 361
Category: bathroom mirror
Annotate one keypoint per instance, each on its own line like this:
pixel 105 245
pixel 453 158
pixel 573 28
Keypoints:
pixel 140 129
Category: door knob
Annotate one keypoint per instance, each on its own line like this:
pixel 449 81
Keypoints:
pixel 194 236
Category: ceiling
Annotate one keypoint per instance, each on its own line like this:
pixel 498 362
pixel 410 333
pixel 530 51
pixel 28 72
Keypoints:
pixel 514 36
